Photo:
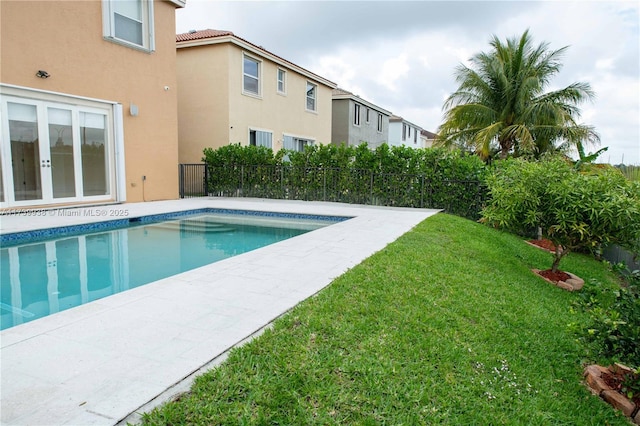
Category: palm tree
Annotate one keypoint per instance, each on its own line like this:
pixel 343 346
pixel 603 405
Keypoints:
pixel 501 104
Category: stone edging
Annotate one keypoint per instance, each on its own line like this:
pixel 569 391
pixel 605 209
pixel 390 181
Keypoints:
pixel 573 283
pixel 593 376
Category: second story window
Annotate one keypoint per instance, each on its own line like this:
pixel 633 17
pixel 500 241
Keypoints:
pixel 380 123
pixel 356 114
pixel 311 96
pixel 367 119
pixel 251 76
pixel 282 81
pixel 129 22
pixel 404 132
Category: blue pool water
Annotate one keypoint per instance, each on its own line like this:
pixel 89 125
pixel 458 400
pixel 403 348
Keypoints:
pixel 41 277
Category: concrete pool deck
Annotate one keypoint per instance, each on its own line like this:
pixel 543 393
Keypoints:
pixel 105 362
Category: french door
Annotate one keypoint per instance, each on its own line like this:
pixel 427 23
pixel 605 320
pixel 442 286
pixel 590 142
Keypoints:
pixel 55 153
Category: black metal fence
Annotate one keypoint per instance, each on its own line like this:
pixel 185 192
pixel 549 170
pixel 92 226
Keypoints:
pixel 616 254
pixel 193 180
pixel 461 197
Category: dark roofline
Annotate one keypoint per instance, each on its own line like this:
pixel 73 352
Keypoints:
pixel 209 36
pixel 341 94
pixel 428 134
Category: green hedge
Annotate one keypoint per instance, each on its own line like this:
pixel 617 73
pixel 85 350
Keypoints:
pixel 391 176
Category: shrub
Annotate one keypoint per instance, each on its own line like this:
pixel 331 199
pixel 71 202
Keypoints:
pixel 613 327
pixel 388 175
pixel 574 210
pixel 236 154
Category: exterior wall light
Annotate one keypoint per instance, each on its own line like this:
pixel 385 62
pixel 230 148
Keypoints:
pixel 133 109
pixel 42 74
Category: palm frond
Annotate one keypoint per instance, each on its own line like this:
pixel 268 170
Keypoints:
pixel 502 100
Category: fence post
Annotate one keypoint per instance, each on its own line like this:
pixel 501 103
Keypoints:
pixel 371 200
pixel 421 191
pixel 324 184
pixel 241 181
pixel 206 180
pixel 181 180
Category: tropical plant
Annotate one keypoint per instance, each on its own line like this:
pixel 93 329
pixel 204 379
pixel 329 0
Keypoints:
pixel 388 175
pixel 587 159
pixel 576 211
pixel 501 104
pixel 613 326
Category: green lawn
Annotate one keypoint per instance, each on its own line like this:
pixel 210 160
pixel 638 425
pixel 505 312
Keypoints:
pixel 446 325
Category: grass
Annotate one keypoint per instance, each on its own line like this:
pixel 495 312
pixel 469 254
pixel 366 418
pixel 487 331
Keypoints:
pixel 447 325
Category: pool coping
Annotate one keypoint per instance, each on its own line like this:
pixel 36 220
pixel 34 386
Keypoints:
pixel 89 365
pixel 37 235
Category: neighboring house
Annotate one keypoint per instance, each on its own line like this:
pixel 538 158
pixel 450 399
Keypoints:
pixel 88 102
pixel 231 90
pixel 403 132
pixel 427 138
pixel 356 120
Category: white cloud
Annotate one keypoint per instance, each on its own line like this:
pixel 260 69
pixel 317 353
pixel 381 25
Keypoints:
pixel 393 69
pixel 402 55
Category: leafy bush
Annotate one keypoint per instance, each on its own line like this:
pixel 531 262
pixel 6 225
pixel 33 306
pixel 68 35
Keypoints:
pixel 613 329
pixel 236 154
pixel 395 176
pixel 574 210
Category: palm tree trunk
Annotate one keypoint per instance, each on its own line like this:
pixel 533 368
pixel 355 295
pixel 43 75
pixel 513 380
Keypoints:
pixel 505 147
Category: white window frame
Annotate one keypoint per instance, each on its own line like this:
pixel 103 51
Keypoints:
pixel 296 143
pixel 148 35
pixel 259 77
pixel 356 114
pixel 380 123
pixel 404 132
pixel 262 133
pixel 114 148
pixel 314 97
pixel 367 116
pixel 282 81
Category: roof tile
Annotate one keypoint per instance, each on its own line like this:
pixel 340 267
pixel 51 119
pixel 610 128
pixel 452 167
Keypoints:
pixel 198 35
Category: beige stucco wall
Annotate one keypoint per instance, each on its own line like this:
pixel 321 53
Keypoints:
pixel 203 100
pixel 65 38
pixel 214 112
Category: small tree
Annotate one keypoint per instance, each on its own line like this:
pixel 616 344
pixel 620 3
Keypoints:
pixel 574 210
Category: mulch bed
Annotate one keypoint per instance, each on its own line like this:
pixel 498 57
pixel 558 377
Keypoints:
pixel 608 383
pixel 544 244
pixel 555 276
pixel 616 380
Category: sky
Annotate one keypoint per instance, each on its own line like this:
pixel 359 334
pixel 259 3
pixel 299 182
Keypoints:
pixel 402 55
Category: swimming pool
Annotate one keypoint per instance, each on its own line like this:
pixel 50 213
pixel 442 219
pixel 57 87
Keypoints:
pixel 47 271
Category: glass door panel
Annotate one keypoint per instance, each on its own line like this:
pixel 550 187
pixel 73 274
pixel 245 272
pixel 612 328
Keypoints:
pixel 1 182
pixel 54 152
pixel 61 153
pixel 93 139
pixel 25 152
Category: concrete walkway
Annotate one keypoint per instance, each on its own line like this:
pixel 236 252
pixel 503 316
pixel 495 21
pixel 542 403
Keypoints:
pixel 103 362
